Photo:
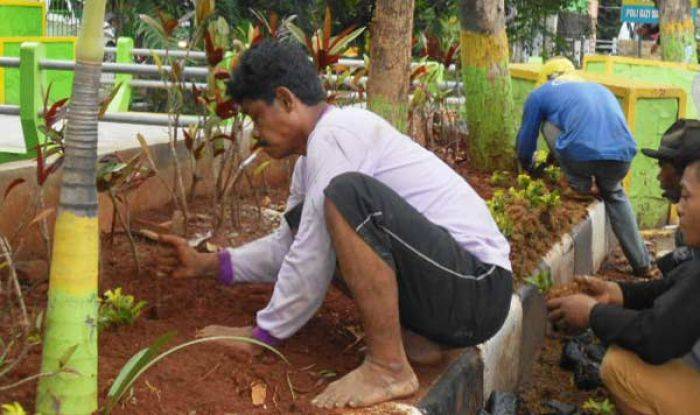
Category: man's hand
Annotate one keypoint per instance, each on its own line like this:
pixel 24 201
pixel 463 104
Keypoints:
pixel 574 310
pixel 183 261
pixel 602 291
pixel 244 348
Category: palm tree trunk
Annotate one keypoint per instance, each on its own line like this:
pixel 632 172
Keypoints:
pixel 489 109
pixel 70 339
pixel 390 66
pixel 677 31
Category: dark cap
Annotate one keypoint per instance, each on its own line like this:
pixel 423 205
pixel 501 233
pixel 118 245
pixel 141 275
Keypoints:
pixel 680 144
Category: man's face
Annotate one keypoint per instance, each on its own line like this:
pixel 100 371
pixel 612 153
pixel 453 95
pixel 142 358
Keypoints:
pixel 275 126
pixel 670 181
pixel 689 205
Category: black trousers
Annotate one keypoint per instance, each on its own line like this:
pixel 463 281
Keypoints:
pixel 445 293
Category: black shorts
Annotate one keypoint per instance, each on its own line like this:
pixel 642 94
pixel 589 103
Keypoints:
pixel 445 293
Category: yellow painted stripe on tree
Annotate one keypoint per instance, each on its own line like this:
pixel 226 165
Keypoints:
pixel 75 262
pixel 682 26
pixel 481 50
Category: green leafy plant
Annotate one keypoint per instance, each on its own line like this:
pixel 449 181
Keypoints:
pixel 498 205
pixel 604 407
pixel 500 179
pixel 528 193
pixel 543 281
pixel 552 174
pixel 117 308
pixel 149 356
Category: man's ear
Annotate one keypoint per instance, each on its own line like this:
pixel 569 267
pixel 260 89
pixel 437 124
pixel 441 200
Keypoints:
pixel 286 98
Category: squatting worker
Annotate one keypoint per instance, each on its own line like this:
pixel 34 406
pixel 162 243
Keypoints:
pixel 588 135
pixel 653 327
pixel 417 248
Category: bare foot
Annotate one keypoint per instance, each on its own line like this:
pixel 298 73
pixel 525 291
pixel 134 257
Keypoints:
pixel 367 385
pixel 421 350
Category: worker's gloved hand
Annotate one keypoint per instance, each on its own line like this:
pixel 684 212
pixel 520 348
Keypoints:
pixel 527 165
pixel 537 172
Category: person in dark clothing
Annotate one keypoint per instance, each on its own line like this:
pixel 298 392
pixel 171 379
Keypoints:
pixel 653 327
pixel 676 142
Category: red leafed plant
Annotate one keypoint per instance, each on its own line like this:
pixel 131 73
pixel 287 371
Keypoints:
pixel 434 48
pixel 325 49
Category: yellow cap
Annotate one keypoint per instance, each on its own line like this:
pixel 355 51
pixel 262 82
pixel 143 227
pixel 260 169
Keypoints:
pixel 554 68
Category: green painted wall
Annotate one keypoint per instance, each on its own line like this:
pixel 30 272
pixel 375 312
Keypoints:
pixel 62 80
pixel 654 116
pixel 680 78
pixel 21 21
pixel 595 67
pixel 666 75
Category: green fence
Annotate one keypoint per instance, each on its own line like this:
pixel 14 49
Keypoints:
pixel 62 48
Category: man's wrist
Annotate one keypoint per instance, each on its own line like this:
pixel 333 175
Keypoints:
pixel 221 264
pixel 264 336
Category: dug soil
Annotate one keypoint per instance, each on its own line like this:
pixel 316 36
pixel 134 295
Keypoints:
pixel 208 379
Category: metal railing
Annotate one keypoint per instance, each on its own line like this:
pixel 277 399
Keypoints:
pixel 62 17
pixel 125 70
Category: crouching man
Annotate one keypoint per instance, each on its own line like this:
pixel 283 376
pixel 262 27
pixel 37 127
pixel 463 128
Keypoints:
pixel 653 365
pixel 417 248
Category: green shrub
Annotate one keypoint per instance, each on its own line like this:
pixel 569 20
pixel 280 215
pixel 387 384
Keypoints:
pixel 117 308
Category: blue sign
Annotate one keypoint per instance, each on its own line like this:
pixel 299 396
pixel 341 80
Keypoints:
pixel 640 14
pixel 643 14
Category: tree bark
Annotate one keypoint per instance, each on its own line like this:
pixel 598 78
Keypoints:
pixel 677 31
pixel 390 66
pixel 487 85
pixel 70 338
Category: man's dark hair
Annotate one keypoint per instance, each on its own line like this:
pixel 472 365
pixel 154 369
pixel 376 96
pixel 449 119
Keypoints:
pixel 272 64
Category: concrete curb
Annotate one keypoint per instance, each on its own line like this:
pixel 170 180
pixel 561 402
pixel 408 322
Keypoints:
pixel 504 361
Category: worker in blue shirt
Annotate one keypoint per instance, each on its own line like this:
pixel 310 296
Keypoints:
pixel 587 133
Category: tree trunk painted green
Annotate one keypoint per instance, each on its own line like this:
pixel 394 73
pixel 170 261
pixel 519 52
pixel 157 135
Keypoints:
pixel 70 338
pixel 677 31
pixel 489 109
pixel 390 65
